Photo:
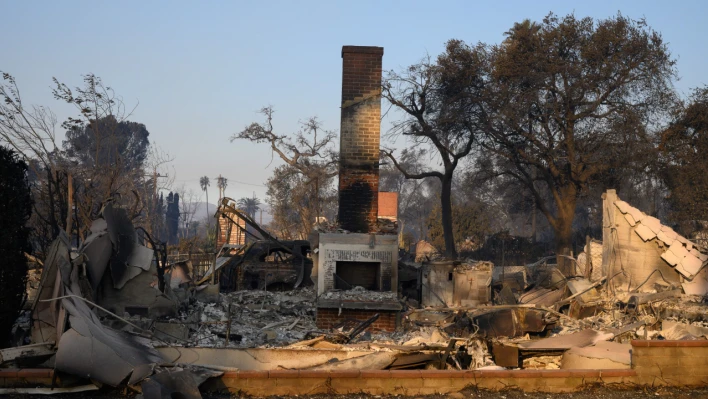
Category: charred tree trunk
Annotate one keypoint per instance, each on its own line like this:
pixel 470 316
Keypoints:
pixel 52 216
pixel 446 207
pixel 563 228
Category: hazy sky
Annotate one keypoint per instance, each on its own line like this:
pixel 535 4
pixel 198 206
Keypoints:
pixel 201 70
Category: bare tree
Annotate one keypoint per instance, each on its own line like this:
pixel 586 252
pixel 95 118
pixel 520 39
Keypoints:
pixel 309 153
pixel 159 176
pixel 189 202
pixel 31 131
pixel 441 114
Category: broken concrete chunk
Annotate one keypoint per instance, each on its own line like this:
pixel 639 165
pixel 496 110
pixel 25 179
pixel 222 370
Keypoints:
pixel 670 258
pixel 644 232
pixel 623 206
pixel 699 284
pixel 630 219
pixel 663 237
pixel 374 361
pixel 690 264
pixel 603 355
pixel 678 249
pixel 669 232
pixel 580 339
pixel 673 330
pixel 652 223
pixel 637 215
pixel 683 272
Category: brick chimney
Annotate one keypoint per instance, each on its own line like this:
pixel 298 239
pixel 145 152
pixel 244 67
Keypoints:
pixel 360 137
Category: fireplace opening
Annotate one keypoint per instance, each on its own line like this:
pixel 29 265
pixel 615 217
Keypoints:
pixel 363 274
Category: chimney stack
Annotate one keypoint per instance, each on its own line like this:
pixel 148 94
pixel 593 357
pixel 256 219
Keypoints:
pixel 360 137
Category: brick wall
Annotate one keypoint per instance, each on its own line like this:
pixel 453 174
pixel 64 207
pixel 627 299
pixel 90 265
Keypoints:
pixel 360 136
pixel 229 233
pixel 388 205
pixel 327 318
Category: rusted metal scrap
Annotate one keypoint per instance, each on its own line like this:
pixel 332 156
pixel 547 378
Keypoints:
pixel 263 262
pixel 512 321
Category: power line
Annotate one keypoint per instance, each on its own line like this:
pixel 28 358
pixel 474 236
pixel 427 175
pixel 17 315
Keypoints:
pixel 229 182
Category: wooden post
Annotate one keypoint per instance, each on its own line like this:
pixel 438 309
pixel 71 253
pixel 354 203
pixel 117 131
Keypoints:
pixel 228 325
pixel 588 257
pixel 69 203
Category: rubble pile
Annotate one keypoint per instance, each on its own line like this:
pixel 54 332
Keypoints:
pixel 117 296
pixel 257 318
pixel 360 294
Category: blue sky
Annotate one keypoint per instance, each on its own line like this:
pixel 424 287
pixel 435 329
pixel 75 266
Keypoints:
pixel 201 70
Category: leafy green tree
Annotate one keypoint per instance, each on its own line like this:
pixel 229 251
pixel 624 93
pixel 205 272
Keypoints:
pixel 573 99
pixel 250 205
pixel 107 142
pixel 683 149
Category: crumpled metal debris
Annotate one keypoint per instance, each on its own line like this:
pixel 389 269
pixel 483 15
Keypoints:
pixel 86 347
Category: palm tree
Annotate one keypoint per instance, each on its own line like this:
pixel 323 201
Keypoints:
pixel 221 183
pixel 204 182
pixel 249 205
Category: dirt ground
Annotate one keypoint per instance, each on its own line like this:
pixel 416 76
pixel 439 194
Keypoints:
pixel 590 393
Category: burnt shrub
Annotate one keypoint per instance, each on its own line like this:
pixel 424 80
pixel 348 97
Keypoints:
pixel 15 210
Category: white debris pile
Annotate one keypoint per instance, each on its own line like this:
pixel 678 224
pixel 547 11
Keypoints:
pixel 361 294
pixel 258 318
